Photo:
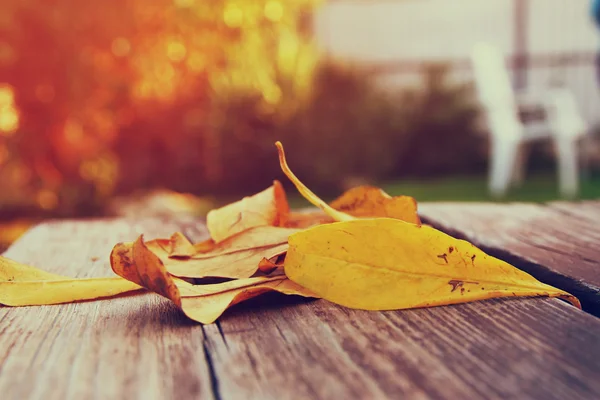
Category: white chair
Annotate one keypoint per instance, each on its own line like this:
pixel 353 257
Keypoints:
pixel 501 107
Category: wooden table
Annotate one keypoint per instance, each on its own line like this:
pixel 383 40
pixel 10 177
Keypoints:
pixel 142 347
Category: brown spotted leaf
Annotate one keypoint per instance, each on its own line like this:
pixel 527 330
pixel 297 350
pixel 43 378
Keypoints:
pixel 385 264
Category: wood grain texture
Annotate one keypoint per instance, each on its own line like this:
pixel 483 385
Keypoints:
pixel 279 347
pixel 492 349
pixel 557 243
pixel 131 347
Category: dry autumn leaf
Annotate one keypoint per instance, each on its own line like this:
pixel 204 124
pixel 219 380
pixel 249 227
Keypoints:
pixel 359 202
pixel 307 218
pixel 238 256
pixel 385 264
pixel 202 303
pixel 268 265
pixel 180 246
pixel 267 208
pixel 261 236
pixel 306 192
pixel 23 285
pixel 371 202
pixel 362 202
pixel 239 264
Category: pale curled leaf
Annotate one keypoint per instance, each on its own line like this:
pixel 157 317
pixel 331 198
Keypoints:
pixel 202 303
pixel 384 264
pixel 24 285
pixel 240 264
pixel 267 208
pixel 304 219
pixel 261 236
pixel 236 257
pixel 181 246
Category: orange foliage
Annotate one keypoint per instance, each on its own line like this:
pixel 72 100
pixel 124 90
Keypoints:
pixel 123 92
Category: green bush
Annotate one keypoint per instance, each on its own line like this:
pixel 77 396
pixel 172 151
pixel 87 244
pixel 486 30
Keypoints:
pixel 350 130
pixel 347 128
pixel 444 138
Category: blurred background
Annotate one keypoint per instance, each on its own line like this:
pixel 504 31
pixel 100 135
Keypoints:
pixel 131 107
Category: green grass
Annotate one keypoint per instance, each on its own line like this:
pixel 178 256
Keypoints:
pixel 535 189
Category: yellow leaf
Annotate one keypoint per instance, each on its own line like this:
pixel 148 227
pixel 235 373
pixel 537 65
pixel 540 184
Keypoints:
pixel 238 256
pixel 181 246
pixel 239 264
pixel 261 236
pixel 385 264
pixel 307 219
pixel 370 201
pixel 306 192
pixel 269 207
pixel 202 303
pixel 204 247
pixel 23 285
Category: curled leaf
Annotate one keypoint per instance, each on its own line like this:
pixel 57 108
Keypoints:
pixel 24 285
pixel 202 303
pixel 306 192
pixel 384 264
pixel 181 246
pixel 239 264
pixel 261 236
pixel 269 207
pixel 268 265
pixel 371 202
pixel 238 256
pixel 305 219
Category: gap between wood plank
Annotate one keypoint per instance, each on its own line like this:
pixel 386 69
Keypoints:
pixel 588 294
pixel 214 380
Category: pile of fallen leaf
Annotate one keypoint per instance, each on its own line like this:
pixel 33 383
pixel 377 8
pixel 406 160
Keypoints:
pixel 365 250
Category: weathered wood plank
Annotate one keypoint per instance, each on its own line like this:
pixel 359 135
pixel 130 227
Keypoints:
pixel 141 347
pixel 133 347
pixel 557 243
pixel 585 210
pixel 494 349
